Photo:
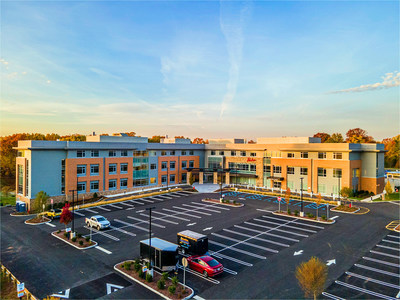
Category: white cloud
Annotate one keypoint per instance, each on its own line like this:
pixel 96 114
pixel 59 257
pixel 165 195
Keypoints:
pixel 388 81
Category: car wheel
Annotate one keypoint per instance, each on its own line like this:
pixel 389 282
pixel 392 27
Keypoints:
pixel 87 224
pixel 205 274
pixel 98 227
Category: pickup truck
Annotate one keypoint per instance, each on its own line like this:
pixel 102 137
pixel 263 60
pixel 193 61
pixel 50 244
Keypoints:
pixel 98 222
pixel 53 213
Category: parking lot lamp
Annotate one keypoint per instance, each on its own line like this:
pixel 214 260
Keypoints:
pixel 73 203
pixel 339 189
pixel 301 197
pixel 167 176
pixel 150 261
pixel 220 183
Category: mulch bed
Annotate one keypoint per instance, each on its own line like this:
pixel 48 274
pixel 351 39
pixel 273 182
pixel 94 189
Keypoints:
pixel 304 218
pixel 219 202
pixel 76 243
pixel 179 293
pixel 38 220
pixel 345 208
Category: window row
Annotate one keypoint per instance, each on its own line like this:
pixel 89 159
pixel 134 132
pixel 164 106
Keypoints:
pixel 243 167
pixel 321 155
pixel 94 185
pixel 94 169
pixel 111 153
pixel 233 153
pixel 172 178
pixel 172 164
pixel 183 152
pixel 303 171
pixel 337 173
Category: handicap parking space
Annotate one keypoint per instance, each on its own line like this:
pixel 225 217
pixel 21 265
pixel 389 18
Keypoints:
pixel 375 276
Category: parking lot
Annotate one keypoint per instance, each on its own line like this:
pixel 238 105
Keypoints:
pixel 258 249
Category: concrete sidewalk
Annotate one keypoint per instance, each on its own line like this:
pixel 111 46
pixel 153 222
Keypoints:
pixel 207 187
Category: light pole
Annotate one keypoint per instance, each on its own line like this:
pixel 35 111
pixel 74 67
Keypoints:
pixel 339 189
pixel 301 197
pixel 150 262
pixel 167 176
pixel 73 203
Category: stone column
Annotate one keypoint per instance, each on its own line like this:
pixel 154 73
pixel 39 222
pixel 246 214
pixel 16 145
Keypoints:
pixel 201 177
pixel 188 174
pixel 215 178
pixel 227 178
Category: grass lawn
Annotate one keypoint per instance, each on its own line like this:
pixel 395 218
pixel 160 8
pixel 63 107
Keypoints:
pixel 390 197
pixel 7 199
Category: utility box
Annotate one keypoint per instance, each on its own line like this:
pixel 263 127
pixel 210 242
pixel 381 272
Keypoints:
pixel 192 243
pixel 163 253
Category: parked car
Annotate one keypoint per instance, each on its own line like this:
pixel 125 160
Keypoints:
pixel 53 213
pixel 205 264
pixel 98 222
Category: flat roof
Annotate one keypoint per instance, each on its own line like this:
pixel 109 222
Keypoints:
pixel 161 244
pixel 192 234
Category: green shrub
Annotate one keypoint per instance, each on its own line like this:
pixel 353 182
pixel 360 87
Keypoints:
pixel 87 239
pixel 79 235
pixel 234 202
pixel 165 276
pixel 149 278
pixel 161 284
pixel 58 231
pixel 141 274
pixel 289 211
pixel 81 242
pixel 95 196
pixel 127 265
pixel 74 239
pixel 174 280
pixel 66 234
pixel 323 217
pixel 172 289
pixel 296 212
pixel 137 266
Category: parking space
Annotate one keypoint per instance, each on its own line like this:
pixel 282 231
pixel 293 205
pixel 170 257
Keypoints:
pixel 375 276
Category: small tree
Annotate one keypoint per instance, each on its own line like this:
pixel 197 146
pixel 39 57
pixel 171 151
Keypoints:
pixel 287 198
pixel 66 215
pixel 312 276
pixel 346 191
pixel 388 188
pixel 40 200
pixel 318 202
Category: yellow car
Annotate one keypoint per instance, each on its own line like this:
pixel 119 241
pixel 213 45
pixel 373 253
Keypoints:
pixel 53 213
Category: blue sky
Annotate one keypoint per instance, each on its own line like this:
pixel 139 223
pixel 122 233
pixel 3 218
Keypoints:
pixel 209 69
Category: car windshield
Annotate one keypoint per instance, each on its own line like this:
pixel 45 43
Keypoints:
pixel 212 263
pixel 101 219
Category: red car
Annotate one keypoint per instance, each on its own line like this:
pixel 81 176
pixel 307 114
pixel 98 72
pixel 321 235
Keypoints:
pixel 206 265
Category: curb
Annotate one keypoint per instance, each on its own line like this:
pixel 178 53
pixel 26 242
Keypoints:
pixel 235 206
pixel 11 214
pixel 34 224
pixel 304 219
pixel 345 212
pixel 92 246
pixel 150 288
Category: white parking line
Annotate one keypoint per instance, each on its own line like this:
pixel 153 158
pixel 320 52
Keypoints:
pixel 199 275
pixel 384 254
pixel 115 206
pixel 126 204
pixel 79 214
pixel 222 256
pixel 230 271
pixel 225 247
pixel 245 243
pixel 136 202
pixel 92 211
pixel 332 296
pixel 103 208
pixel 123 231
pixel 288 226
pixel 211 205
pixel 102 233
pixel 197 212
pixel 155 198
pixel 161 219
pixel 275 228
pixel 163 197
pixel 394 236
pixel 145 221
pixel 390 248
pixel 51 225
pixel 174 195
pixel 130 208
pixel 201 208
pixel 102 249
pixel 395 286
pixel 377 270
pixel 181 213
pixel 309 225
pixel 170 216
pixel 256 238
pixel 393 242
pixel 267 233
pixel 365 291
pixel 270 211
pixel 146 200
pixel 381 262
pixel 131 225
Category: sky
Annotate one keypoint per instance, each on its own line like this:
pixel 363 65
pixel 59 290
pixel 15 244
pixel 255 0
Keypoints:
pixel 200 68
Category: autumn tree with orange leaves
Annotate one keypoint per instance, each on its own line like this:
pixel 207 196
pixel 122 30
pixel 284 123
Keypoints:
pixel 311 276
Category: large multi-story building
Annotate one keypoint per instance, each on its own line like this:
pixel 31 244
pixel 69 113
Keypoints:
pixel 115 164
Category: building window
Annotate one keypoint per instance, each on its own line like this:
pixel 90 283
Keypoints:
pixel 322 155
pixel 172 153
pixel 94 153
pixel 277 184
pixel 267 169
pixel 81 187
pixel 20 179
pixel 252 168
pixel 94 186
pixel 94 170
pixel 152 153
pixel 172 178
pixel 191 163
pixel 153 166
pixel 184 177
pixel 183 153
pixel 290 170
pixel 212 152
pixel 290 155
pixel 184 164
pixel 124 168
pixel 277 169
pixel 303 171
pixel 164 179
pixel 233 153
pixel 172 165
pixel 81 170
pixel 27 178
pixel 80 153
pixel 191 152
pixel 112 153
pixel 112 184
pixel 152 180
pixel 337 155
pixel 163 153
pixel 221 152
pixel 242 153
pixel 123 183
pixel 124 152
pixel 112 169
pixel 253 154
pixel 164 165
pixel 63 177
pixel 337 173
pixel 304 154
pixel 322 188
pixel 321 172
